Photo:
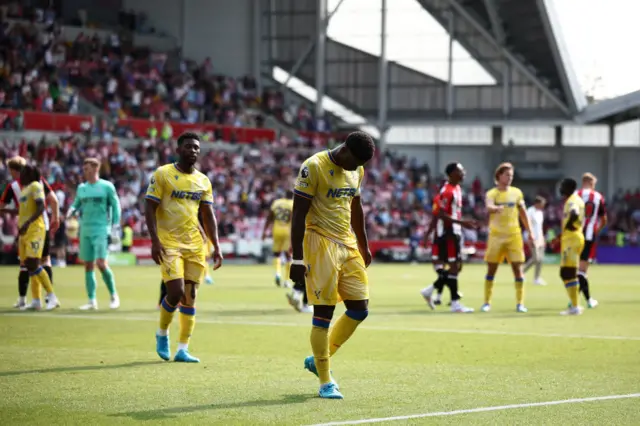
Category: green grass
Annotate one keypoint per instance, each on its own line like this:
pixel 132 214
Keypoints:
pixel 69 367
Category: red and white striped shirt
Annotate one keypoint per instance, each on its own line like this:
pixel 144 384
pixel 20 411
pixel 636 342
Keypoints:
pixel 594 208
pixel 450 201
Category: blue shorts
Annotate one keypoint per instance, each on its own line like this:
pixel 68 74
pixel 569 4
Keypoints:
pixel 94 247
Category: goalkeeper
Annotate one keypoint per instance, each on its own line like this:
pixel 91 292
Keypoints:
pixel 98 206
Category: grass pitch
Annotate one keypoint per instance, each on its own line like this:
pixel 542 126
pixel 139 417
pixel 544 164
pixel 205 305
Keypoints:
pixel 70 367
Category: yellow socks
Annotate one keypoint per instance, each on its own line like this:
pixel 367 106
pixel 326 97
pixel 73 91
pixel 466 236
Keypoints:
pixel 166 316
pixel 40 278
pixel 573 290
pixel 488 289
pixel 520 291
pixel 187 324
pixel 320 348
pixel 36 290
pixel 278 264
pixel 344 328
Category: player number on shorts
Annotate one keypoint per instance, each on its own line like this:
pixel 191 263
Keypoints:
pixel 282 215
pixel 35 245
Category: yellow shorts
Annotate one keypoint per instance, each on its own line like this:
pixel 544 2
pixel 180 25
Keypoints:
pixel 501 247
pixel 184 264
pixel 281 242
pixel 31 244
pixel 570 250
pixel 334 272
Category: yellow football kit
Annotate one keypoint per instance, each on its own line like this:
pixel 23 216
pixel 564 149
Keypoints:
pixel 281 209
pixel 180 195
pixel 335 268
pixel 505 235
pixel 31 244
pixel 572 242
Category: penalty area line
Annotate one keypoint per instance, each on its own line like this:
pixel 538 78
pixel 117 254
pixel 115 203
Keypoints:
pixel 116 317
pixel 480 410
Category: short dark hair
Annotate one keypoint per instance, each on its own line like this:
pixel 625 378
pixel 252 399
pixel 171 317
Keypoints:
pixel 361 145
pixel 188 135
pixel 451 167
pixel 569 184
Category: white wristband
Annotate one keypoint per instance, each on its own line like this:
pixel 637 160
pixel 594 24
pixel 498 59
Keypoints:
pixel 297 262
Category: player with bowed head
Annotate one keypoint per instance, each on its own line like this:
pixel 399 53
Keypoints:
pixel 176 196
pixel 330 249
pixel 536 219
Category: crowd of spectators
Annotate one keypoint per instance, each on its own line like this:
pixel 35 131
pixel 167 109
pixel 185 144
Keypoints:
pixel 397 192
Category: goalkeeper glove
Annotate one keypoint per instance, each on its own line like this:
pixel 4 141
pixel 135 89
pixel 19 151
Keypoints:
pixel 115 234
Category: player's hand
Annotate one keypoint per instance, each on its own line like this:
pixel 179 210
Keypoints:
pixel 471 224
pixel 54 225
pixel 297 273
pixel 366 256
pixel 217 258
pixel 531 240
pixel 157 251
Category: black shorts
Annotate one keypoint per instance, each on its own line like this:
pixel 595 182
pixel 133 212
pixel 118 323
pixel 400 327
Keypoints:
pixel 589 251
pixel 60 238
pixel 449 248
pixel 45 248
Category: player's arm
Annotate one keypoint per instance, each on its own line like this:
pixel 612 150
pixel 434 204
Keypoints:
pixel 153 198
pixel 602 213
pixel 75 206
pixel 359 228
pixel 54 203
pixel 210 224
pixel 267 224
pixel 445 200
pixel 490 202
pixel 524 217
pixel 5 198
pixel 115 213
pixel 573 216
pixel 304 191
pixel 430 229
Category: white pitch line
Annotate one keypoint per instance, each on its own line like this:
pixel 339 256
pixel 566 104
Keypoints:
pixel 116 317
pixel 480 410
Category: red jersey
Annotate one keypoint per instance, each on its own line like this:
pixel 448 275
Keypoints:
pixel 594 208
pixel 450 202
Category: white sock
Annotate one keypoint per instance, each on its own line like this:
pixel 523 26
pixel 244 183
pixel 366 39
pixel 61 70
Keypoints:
pixel 162 332
pixel 22 299
pixel 183 346
pixel 438 296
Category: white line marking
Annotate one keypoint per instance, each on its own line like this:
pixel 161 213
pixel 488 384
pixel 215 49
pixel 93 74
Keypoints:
pixel 116 317
pixel 480 410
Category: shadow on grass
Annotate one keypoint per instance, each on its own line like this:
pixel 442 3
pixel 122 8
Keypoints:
pixel 167 413
pixel 80 368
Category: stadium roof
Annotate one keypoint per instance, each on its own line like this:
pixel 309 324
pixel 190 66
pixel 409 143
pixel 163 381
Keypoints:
pixel 612 111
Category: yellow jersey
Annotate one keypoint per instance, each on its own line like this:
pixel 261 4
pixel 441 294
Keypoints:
pixel 507 222
pixel 28 205
pixel 179 195
pixel 573 204
pixel 331 190
pixel 282 209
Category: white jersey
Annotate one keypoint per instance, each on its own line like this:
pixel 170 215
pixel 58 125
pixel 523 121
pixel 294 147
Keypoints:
pixel 536 219
pixel 594 208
